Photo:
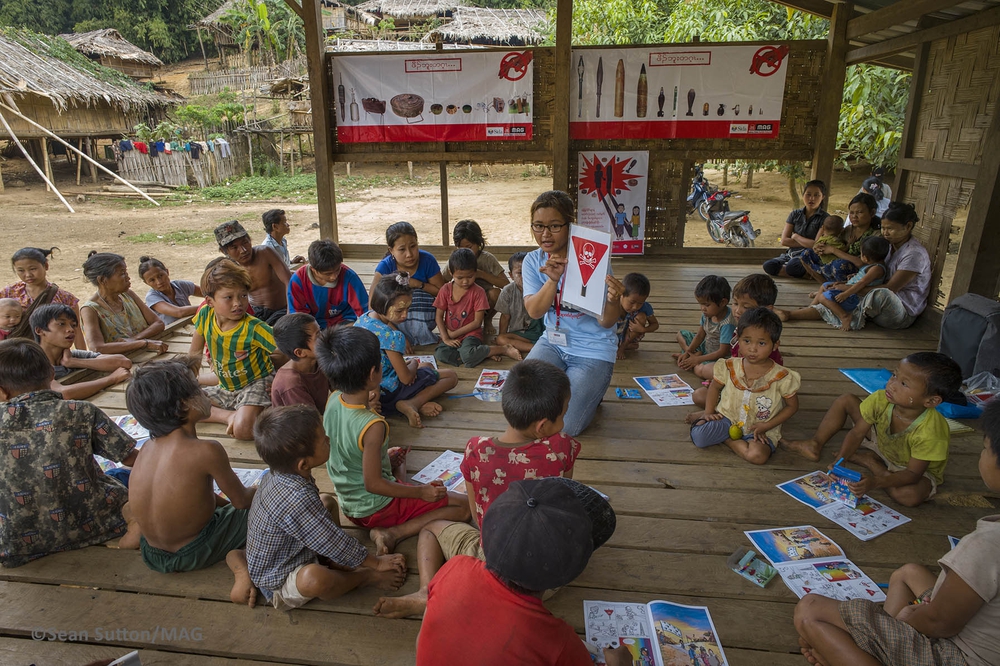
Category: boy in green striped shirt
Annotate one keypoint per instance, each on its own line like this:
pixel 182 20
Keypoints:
pixel 239 347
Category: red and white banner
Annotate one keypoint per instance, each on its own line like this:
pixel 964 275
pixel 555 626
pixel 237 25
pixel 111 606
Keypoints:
pixel 611 189
pixel 435 97
pixel 682 92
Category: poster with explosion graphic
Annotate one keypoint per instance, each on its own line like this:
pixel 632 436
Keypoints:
pixel 693 91
pixel 612 197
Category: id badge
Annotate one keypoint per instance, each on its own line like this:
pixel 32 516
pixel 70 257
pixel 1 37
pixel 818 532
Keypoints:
pixel 558 338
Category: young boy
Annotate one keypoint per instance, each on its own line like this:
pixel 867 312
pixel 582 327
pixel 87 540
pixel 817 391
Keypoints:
pixel 295 549
pixel 711 341
pixel 538 535
pixel 268 274
pixel 300 381
pixel 55 496
pixel 750 396
pixel 276 227
pixel 910 450
pixel 184 525
pixel 950 618
pixel 638 319
pixel 517 329
pixel 55 327
pixel 461 308
pixel 239 347
pixel 370 491
pixel 535 397
pixel 327 289
pixel 10 316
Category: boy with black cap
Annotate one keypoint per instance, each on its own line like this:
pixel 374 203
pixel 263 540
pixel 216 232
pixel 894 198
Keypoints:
pixel 268 274
pixel 536 536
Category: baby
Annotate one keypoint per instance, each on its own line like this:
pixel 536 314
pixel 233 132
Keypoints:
pixel 831 235
pixel 10 316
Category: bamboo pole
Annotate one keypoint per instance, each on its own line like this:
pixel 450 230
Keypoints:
pixel 1 179
pixel 33 163
pixel 92 149
pixel 45 162
pixel 79 166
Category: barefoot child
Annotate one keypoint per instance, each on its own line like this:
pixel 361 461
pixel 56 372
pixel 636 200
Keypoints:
pixel 489 272
pixel 949 618
pixel 327 289
pixel 268 273
pixel 910 450
pixel 407 387
pixel 10 316
pixel 751 394
pixel 516 327
pixel 295 549
pixel 169 299
pixel 461 307
pixel 56 497
pixel 638 318
pixel 185 526
pixel 371 493
pixel 300 381
pixel 276 227
pixel 239 347
pixel 535 397
pixel 711 341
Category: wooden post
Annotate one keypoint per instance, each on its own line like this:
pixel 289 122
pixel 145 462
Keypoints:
pixel 917 87
pixel 321 98
pixel 445 226
pixel 202 45
pixel 79 163
pixel 1 178
pixel 92 149
pixel 832 93
pixel 560 116
pixel 281 151
pixel 45 162
pixel 680 208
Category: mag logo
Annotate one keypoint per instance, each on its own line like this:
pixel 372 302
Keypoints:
pixel 762 128
pixel 738 128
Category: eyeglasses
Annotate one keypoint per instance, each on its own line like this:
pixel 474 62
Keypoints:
pixel 551 228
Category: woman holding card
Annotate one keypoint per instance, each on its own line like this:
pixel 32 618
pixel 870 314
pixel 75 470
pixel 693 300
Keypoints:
pixel 581 344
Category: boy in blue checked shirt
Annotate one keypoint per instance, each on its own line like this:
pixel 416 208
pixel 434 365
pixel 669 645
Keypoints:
pixel 295 549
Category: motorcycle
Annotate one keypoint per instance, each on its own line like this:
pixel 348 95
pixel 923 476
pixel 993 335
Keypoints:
pixel 716 201
pixel 701 189
pixel 729 227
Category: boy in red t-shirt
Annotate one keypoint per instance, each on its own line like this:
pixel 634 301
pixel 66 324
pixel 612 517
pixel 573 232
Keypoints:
pixel 461 308
pixel 535 397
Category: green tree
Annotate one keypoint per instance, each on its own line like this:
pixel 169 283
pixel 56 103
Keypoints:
pixel 616 21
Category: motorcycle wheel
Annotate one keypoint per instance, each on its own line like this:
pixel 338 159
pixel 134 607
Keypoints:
pixel 714 232
pixel 739 238
pixel 703 209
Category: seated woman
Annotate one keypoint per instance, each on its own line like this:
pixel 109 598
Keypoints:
pixel 864 223
pixel 115 320
pixel 800 232
pixel 33 290
pixel 900 301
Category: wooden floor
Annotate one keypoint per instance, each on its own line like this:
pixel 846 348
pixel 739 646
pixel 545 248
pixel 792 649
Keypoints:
pixel 681 512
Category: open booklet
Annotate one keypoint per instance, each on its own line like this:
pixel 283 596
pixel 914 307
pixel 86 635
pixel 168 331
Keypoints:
pixel 128 423
pixel 248 477
pixel 866 521
pixel 424 359
pixel 659 633
pixel 446 468
pixel 666 390
pixel 810 562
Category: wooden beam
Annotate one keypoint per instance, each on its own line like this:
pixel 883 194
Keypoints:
pixel 295 7
pixel 874 51
pixel 917 88
pixel 939 168
pixel 978 269
pixel 895 14
pixel 831 95
pixel 541 156
pixel 902 62
pixel 445 224
pixel 322 104
pixel 560 115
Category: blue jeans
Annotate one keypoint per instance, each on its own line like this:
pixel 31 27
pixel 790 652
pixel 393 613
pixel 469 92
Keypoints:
pixel 589 378
pixel 792 265
pixel 707 433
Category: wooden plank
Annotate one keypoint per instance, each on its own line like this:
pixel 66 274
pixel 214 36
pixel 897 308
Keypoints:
pixel 831 95
pixel 321 99
pixel 895 14
pixel 561 105
pixel 939 168
pixel 435 154
pixel 981 19
pixel 25 652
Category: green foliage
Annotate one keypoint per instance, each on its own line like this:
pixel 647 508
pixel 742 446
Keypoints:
pixel 267 28
pixel 196 119
pixel 261 187
pixel 182 237
pixel 741 20
pixel 872 114
pixel 616 21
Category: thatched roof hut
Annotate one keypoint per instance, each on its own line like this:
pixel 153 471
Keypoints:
pixel 498 27
pixel 405 13
pixel 48 81
pixel 114 51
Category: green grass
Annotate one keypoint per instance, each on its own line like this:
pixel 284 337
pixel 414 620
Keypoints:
pixel 182 237
pixel 260 187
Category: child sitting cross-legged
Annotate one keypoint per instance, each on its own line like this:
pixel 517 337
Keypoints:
pixel 295 549
pixel 461 308
pixel 408 387
pixel 185 526
pixel 711 341
pixel 638 319
pixel 750 396
pixel 55 328
pixel 950 619
pixel 55 495
pixel 534 397
pixel 300 381
pixel 371 489
pixel 910 448
pixel 516 327
pixel 327 289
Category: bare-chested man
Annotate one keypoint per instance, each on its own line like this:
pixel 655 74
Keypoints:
pixel 267 271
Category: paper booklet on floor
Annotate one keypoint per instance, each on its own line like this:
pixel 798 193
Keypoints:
pixel 132 428
pixel 424 359
pixel 666 390
pixel 660 633
pixel 446 468
pixel 866 521
pixel 248 477
pixel 491 380
pixel 810 562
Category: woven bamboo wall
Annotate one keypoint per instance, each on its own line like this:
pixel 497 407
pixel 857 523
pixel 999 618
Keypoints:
pixel 958 103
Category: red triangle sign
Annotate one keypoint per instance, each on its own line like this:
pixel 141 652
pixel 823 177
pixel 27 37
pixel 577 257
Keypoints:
pixel 588 256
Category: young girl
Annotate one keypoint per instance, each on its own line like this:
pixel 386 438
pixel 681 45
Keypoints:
pixel 169 299
pixel 750 396
pixel 489 272
pixel 425 280
pixel 32 290
pixel 407 386
pixel 799 232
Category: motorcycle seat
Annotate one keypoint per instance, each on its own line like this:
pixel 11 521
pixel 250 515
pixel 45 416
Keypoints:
pixel 735 213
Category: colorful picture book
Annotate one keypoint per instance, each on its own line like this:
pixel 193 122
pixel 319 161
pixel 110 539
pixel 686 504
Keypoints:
pixel 424 359
pixel 666 390
pixel 248 477
pixel 132 428
pixel 746 563
pixel 810 562
pixel 446 468
pixel 867 520
pixel 659 633
pixel 491 380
